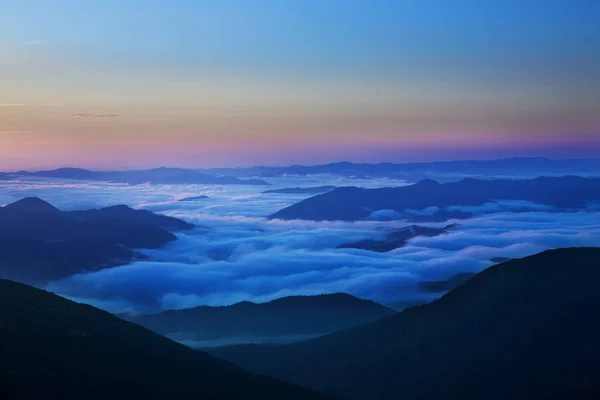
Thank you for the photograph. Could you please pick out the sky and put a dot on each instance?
(192, 83)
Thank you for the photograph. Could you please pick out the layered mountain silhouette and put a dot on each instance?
(447, 284)
(397, 238)
(442, 201)
(38, 242)
(302, 190)
(500, 259)
(156, 175)
(286, 317)
(523, 329)
(517, 167)
(54, 348)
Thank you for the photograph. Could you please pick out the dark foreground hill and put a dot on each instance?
(53, 348)
(285, 317)
(447, 284)
(351, 204)
(524, 329)
(38, 242)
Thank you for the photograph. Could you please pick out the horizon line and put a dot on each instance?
(441, 161)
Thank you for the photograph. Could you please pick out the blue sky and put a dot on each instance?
(382, 72)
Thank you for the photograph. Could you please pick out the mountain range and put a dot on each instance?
(430, 200)
(134, 177)
(444, 171)
(54, 348)
(523, 329)
(296, 316)
(447, 170)
(38, 242)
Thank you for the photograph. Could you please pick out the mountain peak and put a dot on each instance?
(32, 204)
(426, 182)
(118, 207)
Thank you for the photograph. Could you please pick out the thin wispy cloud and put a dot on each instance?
(33, 42)
(96, 115)
(14, 132)
(11, 105)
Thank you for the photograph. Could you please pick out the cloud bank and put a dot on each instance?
(96, 115)
(239, 255)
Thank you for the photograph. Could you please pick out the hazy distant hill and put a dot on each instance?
(443, 171)
(397, 238)
(38, 242)
(350, 204)
(54, 348)
(305, 190)
(288, 316)
(156, 175)
(524, 329)
(194, 198)
(517, 167)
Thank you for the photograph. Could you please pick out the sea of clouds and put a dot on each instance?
(237, 254)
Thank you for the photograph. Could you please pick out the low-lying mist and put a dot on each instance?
(237, 254)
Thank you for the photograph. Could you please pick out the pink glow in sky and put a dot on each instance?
(307, 82)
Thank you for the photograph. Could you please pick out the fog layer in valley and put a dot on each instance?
(237, 254)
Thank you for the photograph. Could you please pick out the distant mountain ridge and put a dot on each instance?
(523, 329)
(295, 315)
(54, 348)
(134, 177)
(446, 200)
(508, 166)
(440, 170)
(38, 242)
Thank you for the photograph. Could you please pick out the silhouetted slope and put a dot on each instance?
(39, 242)
(32, 260)
(445, 285)
(53, 348)
(32, 205)
(125, 213)
(305, 190)
(397, 238)
(285, 316)
(524, 329)
(500, 259)
(351, 204)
